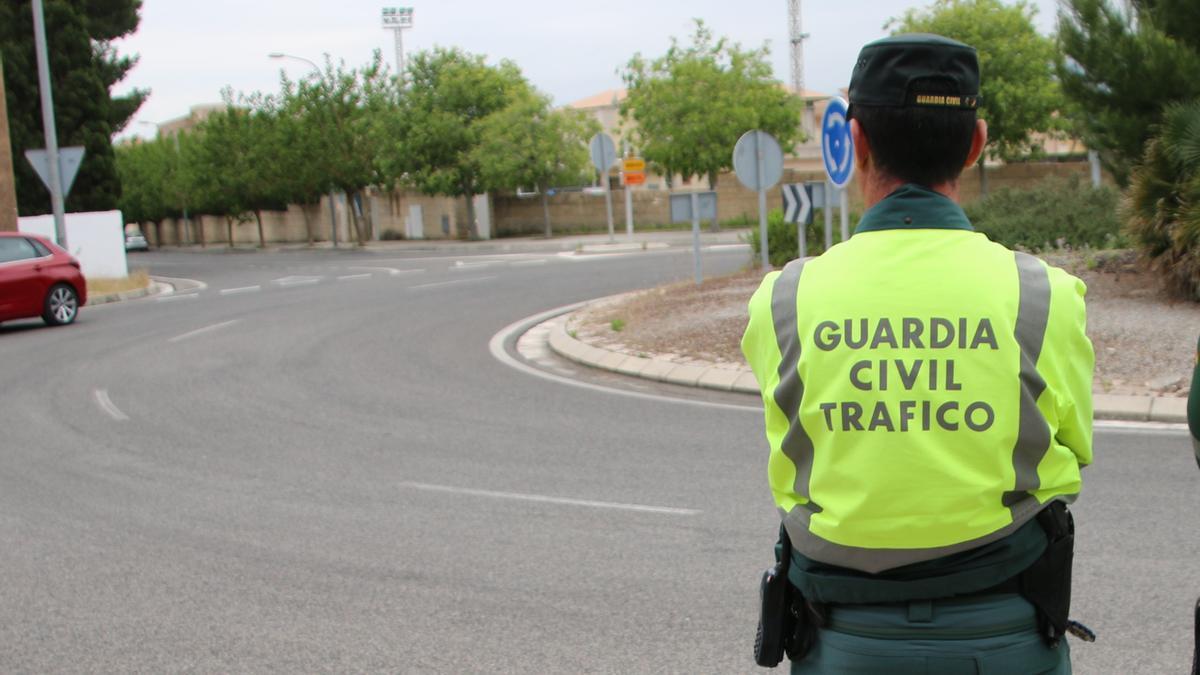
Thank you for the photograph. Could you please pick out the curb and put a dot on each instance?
(154, 288)
(739, 378)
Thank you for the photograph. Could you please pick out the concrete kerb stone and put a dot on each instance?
(741, 379)
(153, 288)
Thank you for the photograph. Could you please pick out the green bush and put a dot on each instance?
(782, 245)
(1055, 213)
(1163, 206)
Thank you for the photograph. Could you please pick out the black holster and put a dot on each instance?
(1046, 584)
(786, 622)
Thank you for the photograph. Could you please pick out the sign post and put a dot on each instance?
(797, 208)
(694, 206)
(43, 68)
(837, 150)
(604, 153)
(634, 171)
(758, 163)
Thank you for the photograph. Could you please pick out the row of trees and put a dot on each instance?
(454, 126)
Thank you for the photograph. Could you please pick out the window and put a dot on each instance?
(16, 248)
(41, 249)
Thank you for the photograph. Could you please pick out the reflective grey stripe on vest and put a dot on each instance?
(796, 446)
(1033, 439)
(1033, 433)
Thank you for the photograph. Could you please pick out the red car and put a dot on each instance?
(38, 278)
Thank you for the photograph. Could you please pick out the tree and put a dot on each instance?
(145, 170)
(432, 141)
(529, 144)
(693, 103)
(1019, 93)
(84, 66)
(1163, 201)
(329, 127)
(1120, 67)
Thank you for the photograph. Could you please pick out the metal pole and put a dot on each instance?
(333, 217)
(829, 192)
(762, 201)
(802, 237)
(1094, 161)
(608, 204)
(845, 214)
(696, 237)
(43, 63)
(629, 213)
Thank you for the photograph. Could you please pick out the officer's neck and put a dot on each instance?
(877, 187)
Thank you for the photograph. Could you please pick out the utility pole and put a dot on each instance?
(8, 180)
(796, 37)
(43, 65)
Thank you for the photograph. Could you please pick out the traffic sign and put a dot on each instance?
(604, 152)
(635, 178)
(797, 204)
(69, 159)
(758, 160)
(837, 146)
(633, 164)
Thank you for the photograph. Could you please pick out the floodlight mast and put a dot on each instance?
(397, 20)
(797, 37)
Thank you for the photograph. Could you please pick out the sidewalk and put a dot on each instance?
(593, 244)
(739, 378)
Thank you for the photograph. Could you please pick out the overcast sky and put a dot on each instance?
(189, 51)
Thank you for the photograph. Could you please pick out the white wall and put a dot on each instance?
(97, 239)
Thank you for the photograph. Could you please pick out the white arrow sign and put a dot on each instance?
(797, 204)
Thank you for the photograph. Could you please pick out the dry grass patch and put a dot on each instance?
(136, 280)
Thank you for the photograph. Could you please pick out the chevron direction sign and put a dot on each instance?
(797, 204)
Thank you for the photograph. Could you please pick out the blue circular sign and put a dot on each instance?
(837, 146)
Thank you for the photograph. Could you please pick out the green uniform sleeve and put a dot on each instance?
(758, 342)
(1068, 363)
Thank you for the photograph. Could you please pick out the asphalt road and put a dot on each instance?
(314, 463)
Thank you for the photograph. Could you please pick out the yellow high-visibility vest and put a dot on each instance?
(925, 392)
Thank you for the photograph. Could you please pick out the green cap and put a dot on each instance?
(892, 72)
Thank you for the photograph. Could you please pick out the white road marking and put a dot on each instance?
(106, 404)
(496, 346)
(348, 277)
(201, 331)
(297, 281)
(392, 271)
(528, 263)
(727, 247)
(455, 282)
(460, 266)
(182, 296)
(240, 289)
(544, 499)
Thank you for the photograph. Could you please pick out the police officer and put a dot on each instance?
(927, 399)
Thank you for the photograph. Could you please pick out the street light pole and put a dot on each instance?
(332, 194)
(43, 66)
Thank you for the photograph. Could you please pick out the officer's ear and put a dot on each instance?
(978, 143)
(862, 147)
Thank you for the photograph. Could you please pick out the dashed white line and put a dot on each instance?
(544, 499)
(182, 296)
(528, 263)
(349, 277)
(240, 289)
(392, 271)
(106, 404)
(297, 281)
(201, 331)
(455, 282)
(460, 266)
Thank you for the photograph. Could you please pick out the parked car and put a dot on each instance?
(135, 240)
(38, 278)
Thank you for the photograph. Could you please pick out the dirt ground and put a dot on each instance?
(1144, 340)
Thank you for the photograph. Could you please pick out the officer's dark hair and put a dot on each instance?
(926, 145)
